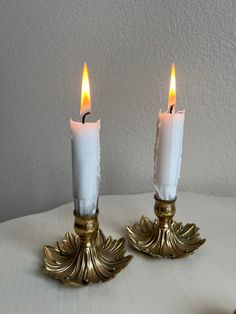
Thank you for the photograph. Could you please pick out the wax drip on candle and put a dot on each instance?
(84, 116)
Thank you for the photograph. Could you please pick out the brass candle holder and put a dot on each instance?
(87, 257)
(164, 237)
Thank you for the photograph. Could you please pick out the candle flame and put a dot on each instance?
(172, 92)
(85, 105)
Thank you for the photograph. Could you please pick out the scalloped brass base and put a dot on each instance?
(88, 257)
(164, 237)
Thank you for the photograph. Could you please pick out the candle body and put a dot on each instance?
(85, 145)
(168, 153)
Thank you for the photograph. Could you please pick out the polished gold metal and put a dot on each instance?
(87, 257)
(164, 237)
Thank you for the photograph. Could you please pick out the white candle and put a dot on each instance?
(168, 147)
(85, 143)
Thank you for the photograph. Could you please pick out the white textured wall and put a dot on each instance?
(129, 47)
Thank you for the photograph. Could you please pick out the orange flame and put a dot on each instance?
(85, 105)
(172, 92)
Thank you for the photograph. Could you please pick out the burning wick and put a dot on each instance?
(171, 108)
(84, 116)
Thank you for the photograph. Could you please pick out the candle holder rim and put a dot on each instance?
(164, 201)
(86, 216)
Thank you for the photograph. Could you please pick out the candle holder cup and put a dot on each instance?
(87, 257)
(164, 237)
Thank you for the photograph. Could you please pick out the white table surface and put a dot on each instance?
(204, 282)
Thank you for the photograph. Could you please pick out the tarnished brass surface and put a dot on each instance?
(87, 257)
(164, 237)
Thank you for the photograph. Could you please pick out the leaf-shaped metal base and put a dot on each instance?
(88, 258)
(164, 237)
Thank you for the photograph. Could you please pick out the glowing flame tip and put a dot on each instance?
(85, 105)
(172, 91)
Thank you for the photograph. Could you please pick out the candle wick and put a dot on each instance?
(171, 108)
(84, 116)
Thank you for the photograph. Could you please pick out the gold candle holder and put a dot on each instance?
(87, 257)
(164, 237)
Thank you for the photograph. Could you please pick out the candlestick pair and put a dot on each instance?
(89, 256)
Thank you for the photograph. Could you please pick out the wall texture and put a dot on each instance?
(129, 47)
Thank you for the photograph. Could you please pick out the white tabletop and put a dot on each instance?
(203, 283)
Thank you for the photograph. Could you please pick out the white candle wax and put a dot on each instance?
(168, 153)
(85, 142)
